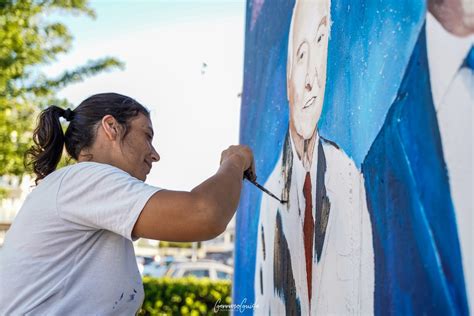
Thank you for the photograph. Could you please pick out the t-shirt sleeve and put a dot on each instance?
(100, 196)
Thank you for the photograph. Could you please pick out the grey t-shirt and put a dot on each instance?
(69, 250)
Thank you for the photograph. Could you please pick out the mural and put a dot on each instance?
(357, 115)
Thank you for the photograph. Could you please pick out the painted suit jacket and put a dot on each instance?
(342, 245)
(418, 266)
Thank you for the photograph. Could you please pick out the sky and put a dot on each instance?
(195, 110)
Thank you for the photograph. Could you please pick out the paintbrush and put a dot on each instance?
(247, 175)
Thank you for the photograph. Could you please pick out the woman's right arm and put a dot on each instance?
(203, 213)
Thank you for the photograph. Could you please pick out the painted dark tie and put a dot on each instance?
(308, 231)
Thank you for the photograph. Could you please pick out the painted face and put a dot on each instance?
(138, 152)
(307, 71)
(456, 16)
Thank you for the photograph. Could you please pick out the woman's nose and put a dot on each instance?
(155, 156)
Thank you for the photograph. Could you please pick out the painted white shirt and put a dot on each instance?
(343, 280)
(453, 95)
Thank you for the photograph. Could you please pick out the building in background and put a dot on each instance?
(14, 192)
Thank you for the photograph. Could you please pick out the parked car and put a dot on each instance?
(224, 257)
(142, 261)
(158, 268)
(200, 269)
(146, 259)
(154, 269)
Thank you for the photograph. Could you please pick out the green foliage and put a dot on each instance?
(172, 244)
(4, 192)
(28, 40)
(184, 296)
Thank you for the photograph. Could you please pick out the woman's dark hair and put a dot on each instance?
(49, 138)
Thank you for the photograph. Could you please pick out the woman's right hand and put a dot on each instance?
(243, 156)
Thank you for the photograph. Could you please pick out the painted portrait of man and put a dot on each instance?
(315, 251)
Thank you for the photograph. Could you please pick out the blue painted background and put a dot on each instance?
(263, 124)
(370, 47)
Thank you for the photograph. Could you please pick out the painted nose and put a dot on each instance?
(308, 82)
(310, 78)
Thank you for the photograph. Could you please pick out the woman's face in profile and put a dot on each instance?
(138, 152)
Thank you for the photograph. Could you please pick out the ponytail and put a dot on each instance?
(48, 139)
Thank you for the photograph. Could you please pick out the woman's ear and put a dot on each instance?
(111, 127)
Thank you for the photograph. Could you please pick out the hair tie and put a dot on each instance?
(68, 115)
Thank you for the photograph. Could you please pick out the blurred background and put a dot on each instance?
(183, 60)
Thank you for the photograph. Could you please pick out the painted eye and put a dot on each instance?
(320, 38)
(301, 55)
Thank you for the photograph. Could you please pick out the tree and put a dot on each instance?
(28, 40)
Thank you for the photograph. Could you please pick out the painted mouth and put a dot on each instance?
(309, 103)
